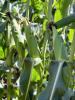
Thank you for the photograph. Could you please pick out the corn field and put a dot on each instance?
(37, 49)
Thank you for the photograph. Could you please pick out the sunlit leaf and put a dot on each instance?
(35, 76)
(62, 9)
(58, 15)
(70, 35)
(23, 0)
(37, 4)
(1, 53)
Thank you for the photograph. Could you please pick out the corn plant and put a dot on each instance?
(37, 50)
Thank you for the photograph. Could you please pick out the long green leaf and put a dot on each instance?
(32, 43)
(19, 39)
(25, 77)
(59, 48)
(55, 82)
(65, 21)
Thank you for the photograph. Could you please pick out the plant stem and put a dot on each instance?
(9, 82)
(27, 11)
(8, 62)
(8, 76)
(65, 21)
(45, 47)
(50, 10)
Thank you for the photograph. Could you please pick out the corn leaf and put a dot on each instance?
(59, 48)
(25, 77)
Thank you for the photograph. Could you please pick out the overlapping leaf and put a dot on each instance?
(59, 47)
(46, 94)
(25, 77)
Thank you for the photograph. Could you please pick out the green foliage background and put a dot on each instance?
(37, 50)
